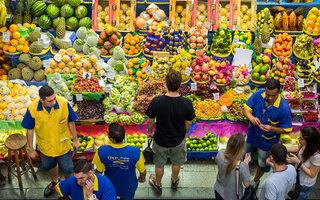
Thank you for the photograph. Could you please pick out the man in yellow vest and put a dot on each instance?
(52, 119)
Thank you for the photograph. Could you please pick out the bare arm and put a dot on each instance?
(150, 123)
(255, 121)
(32, 153)
(142, 177)
(188, 126)
(269, 128)
(311, 172)
(73, 131)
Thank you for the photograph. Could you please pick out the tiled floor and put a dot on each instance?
(197, 179)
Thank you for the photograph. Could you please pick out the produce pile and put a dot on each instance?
(132, 44)
(208, 143)
(160, 67)
(108, 40)
(260, 66)
(180, 16)
(200, 68)
(312, 24)
(224, 16)
(281, 68)
(303, 47)
(89, 110)
(86, 85)
(207, 110)
(288, 19)
(136, 69)
(136, 140)
(235, 112)
(245, 21)
(282, 45)
(176, 39)
(304, 70)
(102, 16)
(245, 39)
(124, 17)
(205, 91)
(152, 15)
(86, 143)
(221, 43)
(181, 62)
(61, 85)
(154, 40)
(197, 41)
(202, 12)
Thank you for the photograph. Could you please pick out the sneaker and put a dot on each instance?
(174, 184)
(50, 189)
(152, 182)
(255, 184)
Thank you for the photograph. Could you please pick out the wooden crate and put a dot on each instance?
(130, 18)
(252, 8)
(226, 20)
(103, 4)
(206, 13)
(186, 4)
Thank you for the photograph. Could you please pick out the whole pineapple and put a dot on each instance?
(265, 32)
(61, 28)
(257, 44)
(18, 17)
(57, 42)
(27, 18)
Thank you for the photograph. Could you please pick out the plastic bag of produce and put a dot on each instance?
(111, 117)
(124, 119)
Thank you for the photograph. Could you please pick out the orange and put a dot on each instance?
(33, 26)
(125, 51)
(130, 52)
(13, 27)
(14, 42)
(138, 46)
(133, 42)
(25, 49)
(130, 71)
(26, 43)
(144, 76)
(19, 47)
(145, 64)
(5, 47)
(136, 66)
(12, 49)
(132, 48)
(138, 73)
(143, 70)
(135, 60)
(22, 41)
(137, 40)
(27, 25)
(130, 64)
(16, 35)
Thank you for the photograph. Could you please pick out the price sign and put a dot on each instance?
(148, 70)
(79, 97)
(111, 74)
(5, 37)
(103, 76)
(295, 74)
(46, 63)
(249, 67)
(193, 86)
(316, 64)
(213, 86)
(40, 41)
(207, 25)
(108, 88)
(188, 71)
(216, 96)
(101, 83)
(300, 83)
(235, 40)
(179, 49)
(86, 75)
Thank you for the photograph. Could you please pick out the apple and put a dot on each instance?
(148, 39)
(160, 44)
(103, 51)
(155, 40)
(158, 49)
(146, 50)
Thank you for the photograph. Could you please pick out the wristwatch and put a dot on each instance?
(93, 197)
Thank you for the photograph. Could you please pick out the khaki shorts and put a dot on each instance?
(177, 154)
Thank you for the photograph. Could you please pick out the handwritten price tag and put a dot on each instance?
(108, 88)
(79, 97)
(179, 49)
(102, 83)
(249, 67)
(188, 71)
(213, 86)
(316, 64)
(235, 40)
(148, 70)
(86, 75)
(300, 83)
(5, 37)
(111, 75)
(216, 96)
(40, 41)
(193, 86)
(103, 76)
(46, 63)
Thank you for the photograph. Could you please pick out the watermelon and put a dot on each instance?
(72, 23)
(56, 22)
(59, 2)
(81, 12)
(74, 3)
(53, 11)
(66, 11)
(85, 22)
(44, 22)
(39, 8)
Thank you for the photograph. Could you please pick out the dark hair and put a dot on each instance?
(116, 132)
(272, 84)
(82, 166)
(312, 138)
(173, 80)
(234, 151)
(45, 91)
(279, 153)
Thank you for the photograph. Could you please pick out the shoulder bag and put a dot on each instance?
(148, 153)
(249, 193)
(294, 194)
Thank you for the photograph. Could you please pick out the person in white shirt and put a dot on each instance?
(307, 155)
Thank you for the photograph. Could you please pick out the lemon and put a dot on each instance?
(179, 8)
(223, 139)
(223, 11)
(246, 18)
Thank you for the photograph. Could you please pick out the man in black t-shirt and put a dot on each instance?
(174, 115)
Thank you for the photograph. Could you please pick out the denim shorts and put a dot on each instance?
(64, 161)
(262, 156)
(177, 154)
(305, 192)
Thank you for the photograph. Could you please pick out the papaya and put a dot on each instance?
(299, 11)
(276, 9)
(292, 21)
(300, 23)
(285, 21)
(288, 11)
(278, 21)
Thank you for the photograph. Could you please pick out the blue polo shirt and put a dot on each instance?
(120, 162)
(278, 115)
(103, 188)
(28, 121)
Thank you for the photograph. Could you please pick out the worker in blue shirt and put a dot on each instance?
(269, 116)
(86, 185)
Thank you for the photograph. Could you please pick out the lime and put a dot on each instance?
(193, 149)
(128, 140)
(197, 149)
(189, 149)
(208, 142)
(138, 145)
(142, 140)
(129, 136)
(210, 149)
(215, 148)
(199, 146)
(211, 139)
(135, 135)
(205, 137)
(81, 149)
(132, 144)
(135, 140)
(206, 149)
(191, 145)
(204, 145)
(89, 138)
(194, 141)
(201, 149)
(143, 135)
(187, 139)
(195, 145)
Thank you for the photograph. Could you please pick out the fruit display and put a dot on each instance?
(288, 19)
(243, 96)
(316, 44)
(245, 20)
(4, 135)
(221, 43)
(241, 74)
(181, 62)
(197, 40)
(208, 143)
(152, 15)
(160, 67)
(103, 16)
(202, 12)
(257, 44)
(308, 105)
(86, 85)
(245, 39)
(89, 110)
(222, 71)
(136, 69)
(310, 116)
(264, 16)
(86, 143)
(295, 105)
(260, 67)
(289, 84)
(59, 44)
(118, 62)
(108, 40)
(224, 16)
(235, 112)
(124, 17)
(61, 85)
(280, 69)
(207, 110)
(200, 68)
(176, 39)
(282, 45)
(304, 70)
(303, 47)
(155, 40)
(312, 22)
(184, 90)
(132, 44)
(180, 16)
(308, 95)
(15, 99)
(204, 91)
(136, 140)
(296, 117)
(5, 66)
(100, 140)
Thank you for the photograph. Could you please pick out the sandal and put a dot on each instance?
(174, 184)
(152, 182)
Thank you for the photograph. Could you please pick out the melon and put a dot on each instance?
(39, 8)
(66, 11)
(85, 22)
(59, 2)
(56, 22)
(74, 3)
(44, 22)
(53, 11)
(72, 23)
(81, 12)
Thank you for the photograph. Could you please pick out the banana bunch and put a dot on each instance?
(3, 137)
(3, 13)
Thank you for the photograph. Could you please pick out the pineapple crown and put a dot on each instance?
(256, 30)
(266, 16)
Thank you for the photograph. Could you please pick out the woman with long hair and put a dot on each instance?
(307, 155)
(228, 160)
